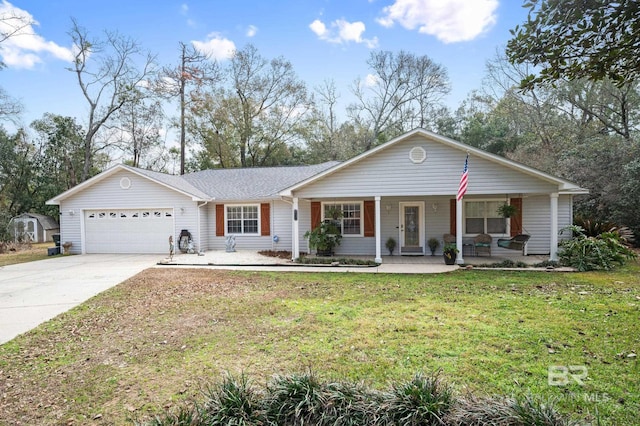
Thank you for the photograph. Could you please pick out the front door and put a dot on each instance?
(412, 228)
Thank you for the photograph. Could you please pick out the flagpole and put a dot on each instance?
(462, 189)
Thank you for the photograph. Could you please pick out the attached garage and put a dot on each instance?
(128, 230)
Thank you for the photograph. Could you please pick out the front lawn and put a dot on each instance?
(25, 253)
(153, 342)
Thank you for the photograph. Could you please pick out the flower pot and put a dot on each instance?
(449, 258)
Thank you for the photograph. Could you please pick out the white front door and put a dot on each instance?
(412, 228)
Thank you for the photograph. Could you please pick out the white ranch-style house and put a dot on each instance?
(404, 189)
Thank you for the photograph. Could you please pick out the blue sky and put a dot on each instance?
(324, 39)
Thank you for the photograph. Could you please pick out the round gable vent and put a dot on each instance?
(417, 155)
(125, 183)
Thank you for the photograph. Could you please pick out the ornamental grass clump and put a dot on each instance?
(301, 399)
(499, 411)
(297, 399)
(233, 402)
(424, 400)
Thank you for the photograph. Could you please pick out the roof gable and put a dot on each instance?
(172, 182)
(429, 137)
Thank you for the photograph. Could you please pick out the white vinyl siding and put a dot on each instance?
(143, 194)
(280, 224)
(391, 172)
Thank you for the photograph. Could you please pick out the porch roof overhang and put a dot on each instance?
(564, 187)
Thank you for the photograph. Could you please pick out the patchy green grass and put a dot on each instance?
(156, 339)
(30, 254)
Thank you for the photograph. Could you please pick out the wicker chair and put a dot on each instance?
(449, 239)
(482, 244)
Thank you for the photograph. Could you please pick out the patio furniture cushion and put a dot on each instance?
(518, 242)
(482, 243)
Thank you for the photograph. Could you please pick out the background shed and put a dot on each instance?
(34, 227)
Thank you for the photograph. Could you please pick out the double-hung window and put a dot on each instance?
(481, 217)
(243, 219)
(349, 216)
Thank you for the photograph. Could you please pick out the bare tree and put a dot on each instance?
(184, 81)
(259, 112)
(12, 24)
(139, 123)
(398, 95)
(107, 74)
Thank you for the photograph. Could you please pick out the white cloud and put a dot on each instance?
(24, 49)
(319, 28)
(370, 80)
(252, 30)
(342, 31)
(184, 8)
(216, 46)
(449, 21)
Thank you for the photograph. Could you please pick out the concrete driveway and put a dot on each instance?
(32, 293)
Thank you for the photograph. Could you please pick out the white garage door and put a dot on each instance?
(128, 231)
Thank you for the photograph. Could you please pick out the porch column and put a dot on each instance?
(296, 230)
(553, 252)
(459, 259)
(378, 236)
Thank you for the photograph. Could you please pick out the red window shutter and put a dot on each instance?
(369, 219)
(219, 220)
(316, 211)
(452, 216)
(516, 221)
(265, 219)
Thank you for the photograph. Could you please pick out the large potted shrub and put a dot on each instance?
(324, 238)
(450, 252)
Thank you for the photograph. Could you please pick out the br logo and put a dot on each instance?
(562, 375)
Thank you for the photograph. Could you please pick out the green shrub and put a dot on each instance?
(475, 411)
(584, 253)
(295, 400)
(351, 405)
(301, 400)
(424, 400)
(594, 228)
(233, 402)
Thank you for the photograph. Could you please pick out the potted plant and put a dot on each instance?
(433, 244)
(324, 238)
(507, 210)
(450, 252)
(390, 245)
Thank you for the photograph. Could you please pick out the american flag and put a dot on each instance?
(464, 180)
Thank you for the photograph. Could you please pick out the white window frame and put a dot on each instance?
(484, 200)
(243, 206)
(341, 204)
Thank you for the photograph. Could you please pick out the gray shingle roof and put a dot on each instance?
(252, 183)
(47, 222)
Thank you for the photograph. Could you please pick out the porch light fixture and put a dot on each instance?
(387, 207)
(434, 206)
(72, 212)
(182, 210)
